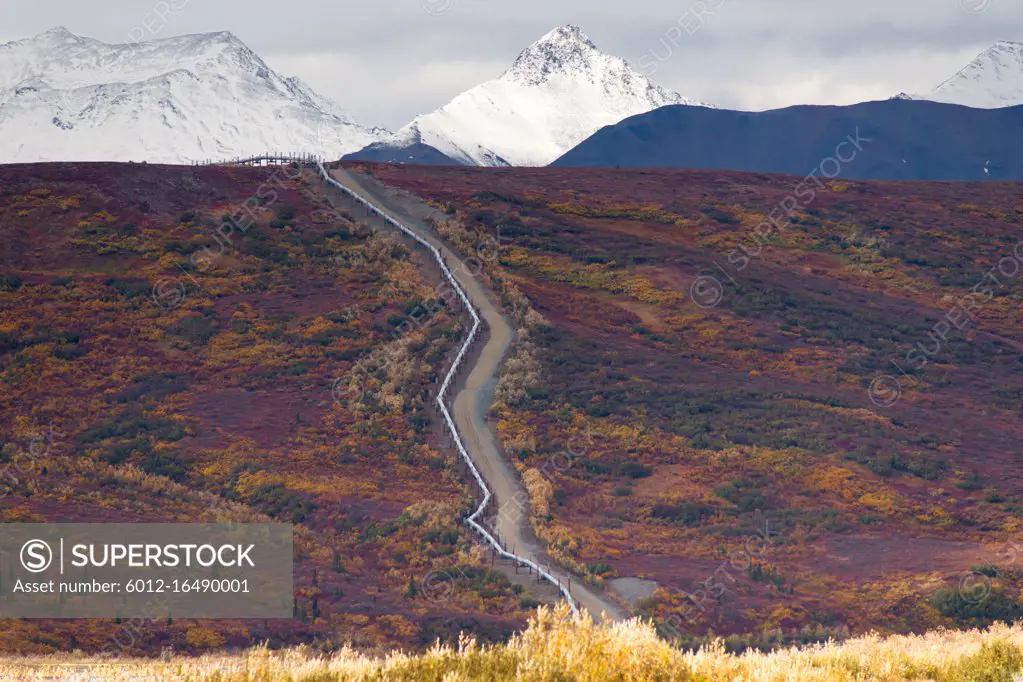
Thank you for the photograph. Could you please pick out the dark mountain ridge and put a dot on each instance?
(895, 139)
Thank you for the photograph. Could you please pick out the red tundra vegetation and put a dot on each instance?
(169, 340)
(797, 415)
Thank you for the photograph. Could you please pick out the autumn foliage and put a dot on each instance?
(695, 400)
(213, 344)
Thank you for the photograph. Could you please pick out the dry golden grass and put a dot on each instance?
(559, 647)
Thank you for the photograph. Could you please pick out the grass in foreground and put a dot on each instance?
(559, 647)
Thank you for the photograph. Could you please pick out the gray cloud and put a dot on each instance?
(388, 61)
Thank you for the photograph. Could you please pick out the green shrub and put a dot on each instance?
(749, 503)
(119, 453)
(129, 424)
(151, 386)
(765, 573)
(10, 282)
(273, 499)
(635, 470)
(686, 513)
(165, 464)
(971, 482)
(990, 570)
(195, 329)
(991, 664)
(979, 608)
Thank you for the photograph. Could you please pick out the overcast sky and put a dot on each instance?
(388, 60)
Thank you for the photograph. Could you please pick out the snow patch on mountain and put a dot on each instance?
(189, 98)
(558, 92)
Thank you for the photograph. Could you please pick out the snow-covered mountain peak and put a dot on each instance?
(1004, 46)
(173, 100)
(56, 35)
(559, 91)
(566, 33)
(64, 60)
(993, 80)
(564, 50)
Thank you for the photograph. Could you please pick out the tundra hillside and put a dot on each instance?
(775, 417)
(169, 339)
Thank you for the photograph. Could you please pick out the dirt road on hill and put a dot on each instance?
(476, 393)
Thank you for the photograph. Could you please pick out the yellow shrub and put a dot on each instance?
(559, 647)
(203, 638)
(879, 502)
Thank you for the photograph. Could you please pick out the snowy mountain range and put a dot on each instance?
(559, 91)
(991, 81)
(207, 96)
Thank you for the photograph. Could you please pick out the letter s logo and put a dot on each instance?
(36, 556)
